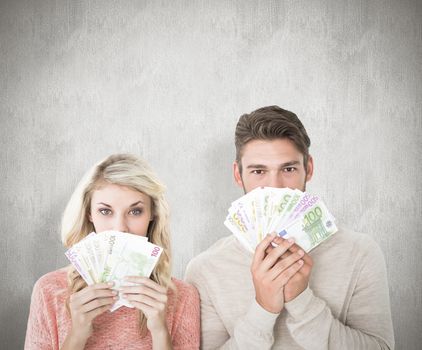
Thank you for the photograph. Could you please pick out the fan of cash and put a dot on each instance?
(289, 213)
(111, 256)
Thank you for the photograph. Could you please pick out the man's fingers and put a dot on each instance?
(284, 264)
(306, 257)
(260, 249)
(294, 248)
(288, 273)
(279, 240)
(269, 249)
(286, 254)
(308, 260)
(275, 254)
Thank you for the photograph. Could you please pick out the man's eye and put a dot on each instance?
(136, 212)
(257, 172)
(104, 211)
(289, 169)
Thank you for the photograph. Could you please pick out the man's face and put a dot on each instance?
(272, 163)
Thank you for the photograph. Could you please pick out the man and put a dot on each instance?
(335, 297)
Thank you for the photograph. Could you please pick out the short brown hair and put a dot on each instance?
(269, 123)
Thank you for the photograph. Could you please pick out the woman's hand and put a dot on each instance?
(85, 306)
(151, 298)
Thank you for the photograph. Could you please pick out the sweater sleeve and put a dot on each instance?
(39, 332)
(187, 333)
(253, 331)
(368, 322)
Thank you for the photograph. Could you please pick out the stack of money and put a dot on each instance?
(289, 213)
(111, 256)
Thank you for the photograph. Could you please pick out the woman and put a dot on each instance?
(120, 193)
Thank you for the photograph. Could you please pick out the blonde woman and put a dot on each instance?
(120, 193)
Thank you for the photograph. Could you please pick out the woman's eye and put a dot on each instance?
(105, 211)
(136, 212)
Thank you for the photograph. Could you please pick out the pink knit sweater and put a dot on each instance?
(49, 321)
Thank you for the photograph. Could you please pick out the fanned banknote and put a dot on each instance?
(111, 256)
(289, 213)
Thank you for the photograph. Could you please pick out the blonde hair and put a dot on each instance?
(124, 170)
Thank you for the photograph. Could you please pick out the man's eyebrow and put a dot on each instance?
(282, 165)
(293, 162)
(254, 166)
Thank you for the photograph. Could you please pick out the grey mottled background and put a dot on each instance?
(168, 80)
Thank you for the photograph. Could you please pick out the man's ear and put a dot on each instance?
(309, 168)
(237, 175)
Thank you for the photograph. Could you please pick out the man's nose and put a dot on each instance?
(120, 224)
(275, 180)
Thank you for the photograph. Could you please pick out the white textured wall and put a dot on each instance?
(168, 80)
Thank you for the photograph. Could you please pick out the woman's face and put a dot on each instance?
(120, 208)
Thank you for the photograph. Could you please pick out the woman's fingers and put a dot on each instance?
(88, 303)
(98, 303)
(91, 292)
(98, 311)
(145, 299)
(147, 282)
(145, 308)
(146, 295)
(97, 286)
(145, 290)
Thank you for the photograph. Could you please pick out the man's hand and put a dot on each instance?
(270, 273)
(299, 281)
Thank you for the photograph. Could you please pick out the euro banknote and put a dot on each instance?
(111, 256)
(290, 213)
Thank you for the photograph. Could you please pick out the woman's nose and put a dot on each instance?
(120, 224)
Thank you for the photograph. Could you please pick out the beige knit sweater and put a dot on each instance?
(346, 305)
